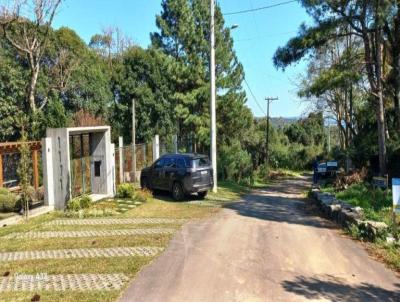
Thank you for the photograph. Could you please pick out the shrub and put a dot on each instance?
(142, 195)
(85, 201)
(125, 190)
(343, 181)
(3, 191)
(235, 163)
(31, 194)
(8, 202)
(74, 204)
(78, 203)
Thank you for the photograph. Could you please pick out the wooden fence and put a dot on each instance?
(144, 158)
(9, 159)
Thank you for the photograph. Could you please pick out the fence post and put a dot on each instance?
(48, 180)
(35, 169)
(144, 155)
(113, 168)
(156, 147)
(121, 159)
(175, 140)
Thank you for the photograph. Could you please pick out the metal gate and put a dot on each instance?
(80, 164)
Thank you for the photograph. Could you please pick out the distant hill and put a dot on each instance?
(283, 121)
(280, 121)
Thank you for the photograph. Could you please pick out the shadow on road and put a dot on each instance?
(333, 289)
(281, 202)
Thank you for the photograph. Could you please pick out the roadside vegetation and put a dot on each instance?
(376, 203)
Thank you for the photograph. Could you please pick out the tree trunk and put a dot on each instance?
(380, 112)
(395, 41)
(380, 116)
(32, 88)
(396, 71)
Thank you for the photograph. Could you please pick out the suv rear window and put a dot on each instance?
(200, 162)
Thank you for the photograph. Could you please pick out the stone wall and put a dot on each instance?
(347, 215)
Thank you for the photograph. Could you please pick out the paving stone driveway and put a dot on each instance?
(81, 282)
(113, 221)
(141, 251)
(78, 234)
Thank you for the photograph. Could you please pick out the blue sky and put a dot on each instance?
(256, 39)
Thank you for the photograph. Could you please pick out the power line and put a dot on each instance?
(258, 8)
(266, 35)
(254, 97)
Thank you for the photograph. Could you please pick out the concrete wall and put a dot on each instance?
(56, 163)
(61, 167)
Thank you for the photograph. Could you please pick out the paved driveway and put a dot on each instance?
(267, 247)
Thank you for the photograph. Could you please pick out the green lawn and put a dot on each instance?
(155, 206)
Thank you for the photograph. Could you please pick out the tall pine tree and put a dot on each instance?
(184, 30)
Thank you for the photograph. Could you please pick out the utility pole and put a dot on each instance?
(212, 105)
(329, 137)
(133, 141)
(269, 101)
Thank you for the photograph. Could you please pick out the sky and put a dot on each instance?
(255, 40)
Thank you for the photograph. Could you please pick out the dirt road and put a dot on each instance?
(264, 248)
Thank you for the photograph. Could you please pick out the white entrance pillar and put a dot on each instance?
(156, 147)
(48, 180)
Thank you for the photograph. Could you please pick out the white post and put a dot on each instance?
(121, 159)
(133, 141)
(175, 140)
(114, 190)
(329, 137)
(48, 180)
(212, 106)
(156, 147)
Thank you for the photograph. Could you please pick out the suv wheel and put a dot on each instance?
(177, 191)
(202, 195)
(144, 183)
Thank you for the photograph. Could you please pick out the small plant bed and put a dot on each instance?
(127, 199)
(118, 205)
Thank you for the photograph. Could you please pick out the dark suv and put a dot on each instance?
(180, 174)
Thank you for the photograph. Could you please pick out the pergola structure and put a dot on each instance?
(13, 148)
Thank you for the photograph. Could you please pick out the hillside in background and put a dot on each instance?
(280, 122)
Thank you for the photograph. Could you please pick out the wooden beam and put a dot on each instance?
(35, 169)
(13, 147)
